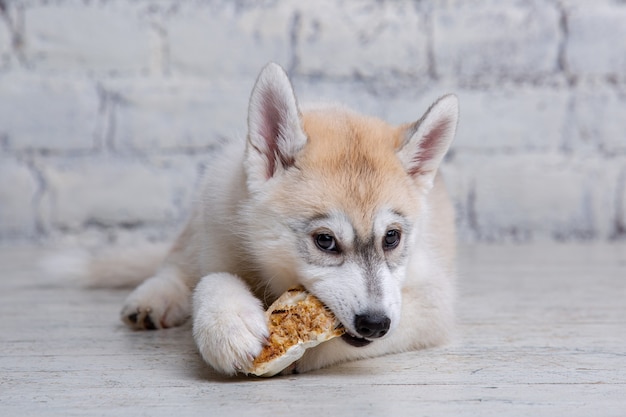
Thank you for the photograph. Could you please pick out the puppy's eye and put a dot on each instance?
(326, 242)
(391, 239)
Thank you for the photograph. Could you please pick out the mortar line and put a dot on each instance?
(37, 199)
(294, 39)
(429, 28)
(619, 228)
(563, 26)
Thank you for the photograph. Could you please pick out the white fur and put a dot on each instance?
(112, 267)
(239, 251)
(229, 324)
(163, 300)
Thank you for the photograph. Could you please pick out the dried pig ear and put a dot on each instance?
(297, 321)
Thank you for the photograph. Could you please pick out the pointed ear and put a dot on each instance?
(275, 133)
(428, 139)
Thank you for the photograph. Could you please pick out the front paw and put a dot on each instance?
(229, 340)
(157, 303)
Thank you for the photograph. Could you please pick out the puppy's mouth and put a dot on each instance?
(351, 339)
(355, 341)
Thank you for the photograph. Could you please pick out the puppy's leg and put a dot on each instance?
(160, 302)
(229, 324)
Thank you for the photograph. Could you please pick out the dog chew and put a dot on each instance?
(297, 321)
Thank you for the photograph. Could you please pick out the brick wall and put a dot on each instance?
(109, 109)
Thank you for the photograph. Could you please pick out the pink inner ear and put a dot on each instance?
(270, 129)
(429, 148)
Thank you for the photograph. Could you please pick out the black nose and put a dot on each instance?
(372, 325)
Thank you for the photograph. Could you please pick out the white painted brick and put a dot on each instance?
(114, 191)
(495, 38)
(596, 44)
(458, 181)
(167, 81)
(366, 38)
(539, 196)
(47, 113)
(602, 191)
(410, 104)
(354, 95)
(18, 187)
(598, 121)
(394, 106)
(75, 37)
(512, 119)
(167, 114)
(224, 40)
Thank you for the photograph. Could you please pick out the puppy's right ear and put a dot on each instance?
(275, 132)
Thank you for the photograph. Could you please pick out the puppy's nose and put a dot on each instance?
(372, 326)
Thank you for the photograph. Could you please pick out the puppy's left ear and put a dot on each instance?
(427, 140)
(275, 133)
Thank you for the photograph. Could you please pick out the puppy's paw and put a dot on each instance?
(156, 304)
(229, 341)
(229, 325)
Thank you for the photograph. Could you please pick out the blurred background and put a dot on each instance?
(109, 110)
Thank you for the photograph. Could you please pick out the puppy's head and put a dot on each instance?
(336, 200)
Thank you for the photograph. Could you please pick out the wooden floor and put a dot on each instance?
(542, 332)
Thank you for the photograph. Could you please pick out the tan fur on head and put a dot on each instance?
(352, 158)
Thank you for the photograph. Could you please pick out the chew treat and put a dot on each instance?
(297, 321)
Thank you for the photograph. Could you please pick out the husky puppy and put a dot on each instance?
(343, 204)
